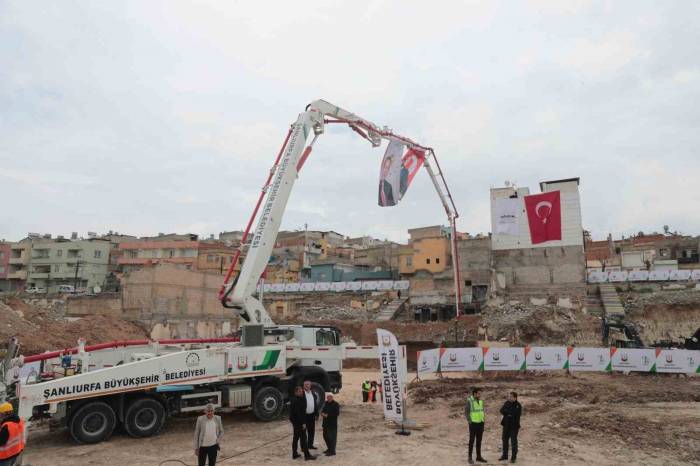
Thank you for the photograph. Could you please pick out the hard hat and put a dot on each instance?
(6, 408)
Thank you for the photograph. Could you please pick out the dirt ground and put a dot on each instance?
(40, 329)
(590, 419)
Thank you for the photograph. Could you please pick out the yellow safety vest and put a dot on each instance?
(365, 387)
(476, 412)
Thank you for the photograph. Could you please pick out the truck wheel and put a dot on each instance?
(92, 423)
(319, 395)
(268, 404)
(144, 417)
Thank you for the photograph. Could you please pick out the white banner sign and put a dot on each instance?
(659, 275)
(680, 275)
(678, 361)
(307, 286)
(597, 277)
(428, 361)
(391, 366)
(404, 284)
(461, 359)
(322, 286)
(638, 276)
(507, 216)
(632, 359)
(589, 359)
(617, 276)
(291, 287)
(338, 286)
(546, 358)
(695, 275)
(504, 359)
(369, 286)
(353, 286)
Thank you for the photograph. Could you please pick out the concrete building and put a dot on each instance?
(552, 268)
(5, 252)
(333, 272)
(18, 265)
(146, 252)
(215, 257)
(82, 263)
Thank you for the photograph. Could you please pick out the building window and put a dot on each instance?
(437, 260)
(665, 252)
(56, 268)
(131, 254)
(2, 255)
(98, 254)
(409, 261)
(211, 258)
(59, 252)
(427, 261)
(2, 267)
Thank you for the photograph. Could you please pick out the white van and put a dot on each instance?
(66, 289)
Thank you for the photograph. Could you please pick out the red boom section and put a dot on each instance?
(125, 343)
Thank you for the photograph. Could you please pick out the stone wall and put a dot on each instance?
(541, 266)
(102, 304)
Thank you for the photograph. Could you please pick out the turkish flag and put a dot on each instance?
(544, 216)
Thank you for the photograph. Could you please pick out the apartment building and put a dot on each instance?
(52, 262)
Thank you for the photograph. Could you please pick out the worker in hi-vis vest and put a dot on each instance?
(365, 391)
(12, 436)
(474, 411)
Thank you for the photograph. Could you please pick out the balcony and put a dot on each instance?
(18, 275)
(39, 275)
(17, 260)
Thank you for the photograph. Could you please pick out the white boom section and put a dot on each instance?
(287, 171)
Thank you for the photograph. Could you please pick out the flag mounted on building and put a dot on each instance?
(544, 216)
(397, 172)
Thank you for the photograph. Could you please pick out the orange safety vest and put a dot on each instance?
(15, 440)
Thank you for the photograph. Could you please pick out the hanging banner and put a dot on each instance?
(544, 216)
(507, 215)
(428, 361)
(638, 276)
(504, 359)
(589, 359)
(678, 361)
(632, 359)
(542, 358)
(391, 365)
(397, 172)
(461, 359)
(617, 276)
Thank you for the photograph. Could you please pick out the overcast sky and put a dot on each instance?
(147, 117)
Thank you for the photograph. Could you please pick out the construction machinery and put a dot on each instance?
(93, 389)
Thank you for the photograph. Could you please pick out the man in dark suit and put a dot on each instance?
(386, 191)
(311, 411)
(511, 411)
(297, 416)
(330, 413)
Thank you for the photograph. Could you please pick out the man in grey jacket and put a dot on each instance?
(207, 435)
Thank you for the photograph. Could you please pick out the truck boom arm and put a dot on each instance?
(238, 294)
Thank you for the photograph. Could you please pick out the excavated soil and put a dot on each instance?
(42, 330)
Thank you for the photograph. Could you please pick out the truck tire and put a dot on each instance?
(92, 422)
(144, 417)
(268, 403)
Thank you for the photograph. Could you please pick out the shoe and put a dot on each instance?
(330, 453)
(310, 457)
(325, 452)
(470, 461)
(313, 448)
(512, 460)
(503, 458)
(481, 460)
(295, 456)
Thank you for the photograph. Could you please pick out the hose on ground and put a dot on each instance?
(226, 458)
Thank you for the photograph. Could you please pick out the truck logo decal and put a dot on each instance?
(242, 362)
(192, 360)
(268, 362)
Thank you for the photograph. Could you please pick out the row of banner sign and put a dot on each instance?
(558, 358)
(373, 285)
(597, 276)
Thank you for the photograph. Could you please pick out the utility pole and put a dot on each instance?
(78, 264)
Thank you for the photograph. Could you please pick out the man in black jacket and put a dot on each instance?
(511, 411)
(330, 413)
(297, 416)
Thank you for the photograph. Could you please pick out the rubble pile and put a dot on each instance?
(45, 329)
(637, 301)
(522, 324)
(314, 313)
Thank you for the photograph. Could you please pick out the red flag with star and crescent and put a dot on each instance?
(544, 216)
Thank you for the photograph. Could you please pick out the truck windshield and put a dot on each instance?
(326, 338)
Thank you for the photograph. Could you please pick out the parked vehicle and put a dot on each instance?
(35, 290)
(66, 289)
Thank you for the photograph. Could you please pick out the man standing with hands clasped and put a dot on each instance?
(311, 414)
(474, 411)
(511, 411)
(330, 413)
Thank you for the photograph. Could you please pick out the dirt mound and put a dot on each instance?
(40, 329)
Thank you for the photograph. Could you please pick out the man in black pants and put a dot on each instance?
(330, 413)
(311, 413)
(511, 411)
(474, 411)
(297, 416)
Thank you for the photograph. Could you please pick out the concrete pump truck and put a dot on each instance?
(90, 390)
